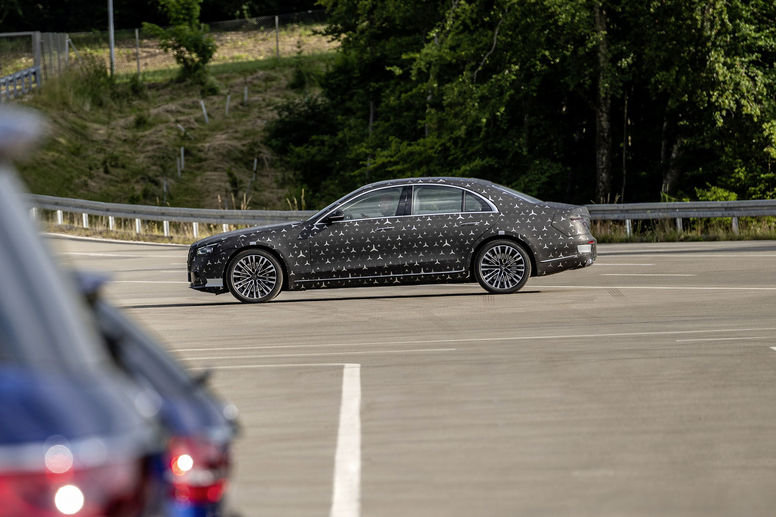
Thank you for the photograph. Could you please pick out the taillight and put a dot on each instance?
(198, 470)
(117, 488)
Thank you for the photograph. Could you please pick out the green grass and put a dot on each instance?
(117, 140)
(750, 228)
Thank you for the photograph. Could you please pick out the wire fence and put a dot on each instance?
(249, 39)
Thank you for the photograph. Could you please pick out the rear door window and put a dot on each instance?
(436, 199)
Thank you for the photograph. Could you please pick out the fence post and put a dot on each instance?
(195, 229)
(183, 159)
(59, 217)
(85, 218)
(111, 223)
(138, 226)
(277, 36)
(204, 111)
(679, 224)
(36, 48)
(67, 51)
(228, 98)
(137, 50)
(735, 225)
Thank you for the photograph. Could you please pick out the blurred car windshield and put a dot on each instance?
(40, 325)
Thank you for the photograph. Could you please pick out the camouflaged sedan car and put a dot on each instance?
(407, 231)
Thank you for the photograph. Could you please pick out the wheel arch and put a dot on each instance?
(262, 247)
(513, 238)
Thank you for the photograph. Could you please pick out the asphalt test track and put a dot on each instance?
(644, 385)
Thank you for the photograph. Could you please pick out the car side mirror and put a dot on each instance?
(335, 216)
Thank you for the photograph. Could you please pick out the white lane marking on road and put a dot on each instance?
(659, 287)
(117, 255)
(252, 366)
(346, 496)
(364, 352)
(676, 254)
(647, 274)
(773, 348)
(504, 338)
(619, 265)
(719, 339)
(148, 282)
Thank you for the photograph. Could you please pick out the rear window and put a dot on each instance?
(524, 197)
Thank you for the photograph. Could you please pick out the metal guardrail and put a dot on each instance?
(19, 83)
(682, 210)
(618, 212)
(141, 213)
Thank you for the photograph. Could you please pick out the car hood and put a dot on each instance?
(255, 230)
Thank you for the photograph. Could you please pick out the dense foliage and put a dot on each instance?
(573, 100)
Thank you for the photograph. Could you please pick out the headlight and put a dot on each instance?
(206, 250)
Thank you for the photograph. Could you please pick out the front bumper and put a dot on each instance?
(205, 274)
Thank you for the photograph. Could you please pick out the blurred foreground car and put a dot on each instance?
(408, 231)
(200, 428)
(76, 437)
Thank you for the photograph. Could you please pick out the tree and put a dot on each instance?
(186, 38)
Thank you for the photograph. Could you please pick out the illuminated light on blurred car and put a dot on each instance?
(69, 500)
(199, 470)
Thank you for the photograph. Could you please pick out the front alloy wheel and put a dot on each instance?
(502, 267)
(254, 276)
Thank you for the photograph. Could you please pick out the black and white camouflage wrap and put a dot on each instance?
(429, 248)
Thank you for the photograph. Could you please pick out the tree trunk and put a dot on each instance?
(670, 152)
(603, 126)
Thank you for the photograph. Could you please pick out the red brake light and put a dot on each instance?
(198, 470)
(116, 489)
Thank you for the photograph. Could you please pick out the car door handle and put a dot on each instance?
(383, 228)
(469, 224)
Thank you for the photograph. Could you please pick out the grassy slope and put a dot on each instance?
(119, 147)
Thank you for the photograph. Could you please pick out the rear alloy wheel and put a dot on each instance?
(254, 276)
(502, 267)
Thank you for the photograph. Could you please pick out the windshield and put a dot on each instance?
(329, 207)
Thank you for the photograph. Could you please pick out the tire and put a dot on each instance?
(254, 276)
(502, 267)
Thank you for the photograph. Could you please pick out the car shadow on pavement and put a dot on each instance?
(327, 299)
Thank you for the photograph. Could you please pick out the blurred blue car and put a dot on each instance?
(96, 419)
(199, 427)
(76, 436)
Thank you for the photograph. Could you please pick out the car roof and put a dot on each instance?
(446, 180)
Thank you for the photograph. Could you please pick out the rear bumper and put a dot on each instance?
(586, 254)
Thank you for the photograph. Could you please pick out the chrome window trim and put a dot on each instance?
(413, 185)
(373, 277)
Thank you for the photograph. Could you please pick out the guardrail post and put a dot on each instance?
(195, 229)
(166, 226)
(34, 214)
(735, 225)
(111, 223)
(225, 227)
(679, 224)
(628, 227)
(85, 219)
(59, 217)
(138, 226)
